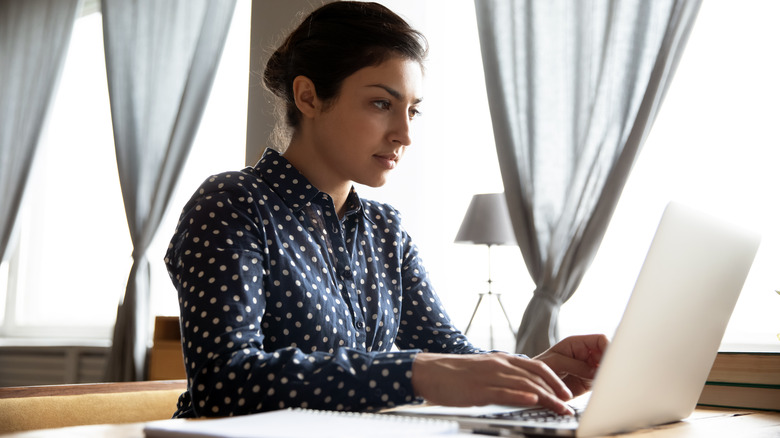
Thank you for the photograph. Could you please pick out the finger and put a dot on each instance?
(541, 370)
(548, 400)
(556, 405)
(528, 376)
(588, 348)
(568, 366)
(578, 347)
(510, 397)
(526, 381)
(530, 395)
(596, 345)
(578, 386)
(601, 347)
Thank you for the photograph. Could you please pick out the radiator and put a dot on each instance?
(51, 365)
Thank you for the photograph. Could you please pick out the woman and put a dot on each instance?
(293, 289)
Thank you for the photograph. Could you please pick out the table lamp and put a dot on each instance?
(487, 223)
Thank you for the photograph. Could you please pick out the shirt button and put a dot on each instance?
(360, 325)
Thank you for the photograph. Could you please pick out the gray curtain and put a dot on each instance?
(161, 58)
(574, 87)
(34, 38)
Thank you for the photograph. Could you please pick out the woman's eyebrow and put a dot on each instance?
(395, 93)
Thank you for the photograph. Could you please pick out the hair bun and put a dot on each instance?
(334, 42)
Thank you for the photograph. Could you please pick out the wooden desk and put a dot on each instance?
(58, 406)
(704, 422)
(90, 388)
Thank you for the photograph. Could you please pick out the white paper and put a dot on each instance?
(294, 423)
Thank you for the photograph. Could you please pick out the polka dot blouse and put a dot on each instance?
(283, 304)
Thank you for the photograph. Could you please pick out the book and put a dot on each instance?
(293, 423)
(729, 395)
(743, 380)
(748, 368)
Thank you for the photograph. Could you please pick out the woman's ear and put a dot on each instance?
(305, 96)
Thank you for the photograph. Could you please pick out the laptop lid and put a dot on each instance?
(658, 361)
(662, 351)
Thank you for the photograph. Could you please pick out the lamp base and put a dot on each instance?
(491, 296)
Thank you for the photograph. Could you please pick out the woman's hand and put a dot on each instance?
(575, 360)
(481, 379)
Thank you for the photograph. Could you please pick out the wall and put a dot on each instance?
(270, 20)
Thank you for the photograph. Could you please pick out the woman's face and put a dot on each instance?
(362, 134)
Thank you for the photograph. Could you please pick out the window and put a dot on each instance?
(453, 156)
(69, 269)
(218, 147)
(712, 146)
(73, 247)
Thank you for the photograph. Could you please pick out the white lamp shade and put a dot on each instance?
(487, 221)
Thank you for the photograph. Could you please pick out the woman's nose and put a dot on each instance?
(401, 132)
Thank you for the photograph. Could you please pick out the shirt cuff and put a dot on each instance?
(390, 379)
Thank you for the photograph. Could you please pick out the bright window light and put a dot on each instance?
(74, 252)
(713, 146)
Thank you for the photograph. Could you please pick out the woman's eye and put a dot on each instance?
(382, 104)
(414, 112)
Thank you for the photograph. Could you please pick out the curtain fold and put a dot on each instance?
(573, 87)
(34, 39)
(161, 59)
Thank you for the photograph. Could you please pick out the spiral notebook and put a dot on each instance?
(294, 423)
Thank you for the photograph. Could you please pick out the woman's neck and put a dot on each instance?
(305, 160)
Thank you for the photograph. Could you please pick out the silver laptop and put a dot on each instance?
(657, 363)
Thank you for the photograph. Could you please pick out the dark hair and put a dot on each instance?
(334, 42)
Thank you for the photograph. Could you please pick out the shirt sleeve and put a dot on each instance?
(217, 261)
(425, 323)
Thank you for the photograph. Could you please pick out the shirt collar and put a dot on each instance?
(354, 205)
(295, 190)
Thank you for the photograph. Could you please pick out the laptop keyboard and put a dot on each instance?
(540, 415)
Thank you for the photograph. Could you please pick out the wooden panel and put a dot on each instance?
(43, 407)
(91, 388)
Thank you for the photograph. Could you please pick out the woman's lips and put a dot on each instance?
(388, 161)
